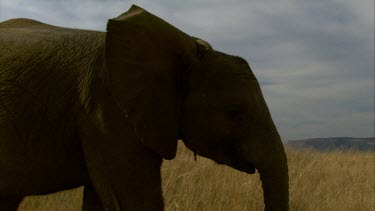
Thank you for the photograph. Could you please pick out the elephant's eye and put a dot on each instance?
(234, 114)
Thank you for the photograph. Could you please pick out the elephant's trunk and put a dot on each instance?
(275, 184)
(271, 163)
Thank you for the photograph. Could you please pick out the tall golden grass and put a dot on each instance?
(318, 181)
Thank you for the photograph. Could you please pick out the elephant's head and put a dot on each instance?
(172, 86)
(225, 118)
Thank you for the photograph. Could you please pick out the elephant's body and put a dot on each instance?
(102, 109)
(40, 107)
(45, 112)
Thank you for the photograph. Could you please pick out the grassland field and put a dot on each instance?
(339, 181)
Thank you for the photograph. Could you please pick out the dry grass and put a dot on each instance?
(318, 181)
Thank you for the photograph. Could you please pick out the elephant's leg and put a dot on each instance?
(124, 173)
(9, 203)
(91, 200)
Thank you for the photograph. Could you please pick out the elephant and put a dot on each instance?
(103, 109)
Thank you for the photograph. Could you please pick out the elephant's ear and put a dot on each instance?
(143, 76)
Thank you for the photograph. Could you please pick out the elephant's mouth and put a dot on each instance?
(240, 165)
(244, 166)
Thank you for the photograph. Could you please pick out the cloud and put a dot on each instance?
(314, 59)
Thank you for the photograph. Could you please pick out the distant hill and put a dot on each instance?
(335, 143)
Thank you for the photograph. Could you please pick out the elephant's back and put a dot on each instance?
(22, 32)
(20, 22)
(41, 67)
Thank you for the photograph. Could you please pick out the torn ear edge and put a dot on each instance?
(203, 43)
(203, 47)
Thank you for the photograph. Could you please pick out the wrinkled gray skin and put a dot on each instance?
(102, 110)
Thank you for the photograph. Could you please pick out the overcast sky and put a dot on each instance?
(314, 59)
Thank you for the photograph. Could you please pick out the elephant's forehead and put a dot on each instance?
(223, 95)
(226, 73)
(228, 82)
(224, 63)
